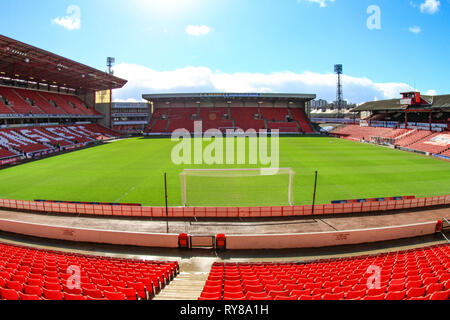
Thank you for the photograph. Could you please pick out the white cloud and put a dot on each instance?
(415, 29)
(72, 21)
(129, 100)
(431, 92)
(322, 3)
(142, 80)
(198, 31)
(430, 6)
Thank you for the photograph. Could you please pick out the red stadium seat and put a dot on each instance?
(69, 296)
(440, 295)
(52, 294)
(355, 294)
(374, 297)
(114, 295)
(416, 292)
(9, 294)
(333, 296)
(395, 295)
(233, 296)
(32, 290)
(93, 293)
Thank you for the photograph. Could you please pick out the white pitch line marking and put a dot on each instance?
(125, 194)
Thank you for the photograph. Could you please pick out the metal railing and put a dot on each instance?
(444, 220)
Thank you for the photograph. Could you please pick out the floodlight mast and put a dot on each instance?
(338, 69)
(110, 61)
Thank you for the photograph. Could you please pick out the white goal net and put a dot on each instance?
(237, 187)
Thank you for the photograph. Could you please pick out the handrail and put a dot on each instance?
(442, 231)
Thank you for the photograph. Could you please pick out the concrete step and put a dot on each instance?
(186, 286)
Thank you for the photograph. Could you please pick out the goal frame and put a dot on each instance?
(263, 171)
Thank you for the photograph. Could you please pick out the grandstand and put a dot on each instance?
(423, 141)
(47, 103)
(418, 123)
(284, 112)
(413, 111)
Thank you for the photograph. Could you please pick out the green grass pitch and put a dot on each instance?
(131, 171)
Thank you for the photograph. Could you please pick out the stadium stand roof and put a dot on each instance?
(437, 102)
(24, 62)
(442, 101)
(231, 96)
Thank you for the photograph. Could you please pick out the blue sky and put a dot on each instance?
(247, 45)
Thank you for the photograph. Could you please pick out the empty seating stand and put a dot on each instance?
(167, 120)
(17, 103)
(420, 140)
(427, 145)
(284, 127)
(12, 139)
(300, 116)
(5, 154)
(44, 105)
(61, 102)
(80, 105)
(213, 118)
(356, 132)
(4, 109)
(244, 118)
(446, 153)
(26, 101)
(274, 114)
(416, 274)
(32, 274)
(413, 138)
(29, 140)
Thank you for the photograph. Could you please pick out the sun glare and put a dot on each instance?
(167, 7)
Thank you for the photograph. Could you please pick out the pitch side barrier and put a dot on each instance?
(223, 212)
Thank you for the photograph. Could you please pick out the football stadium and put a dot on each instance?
(215, 196)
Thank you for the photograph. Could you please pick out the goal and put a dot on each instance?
(237, 187)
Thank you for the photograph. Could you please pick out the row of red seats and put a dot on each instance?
(213, 118)
(288, 127)
(274, 114)
(356, 132)
(33, 274)
(41, 139)
(446, 153)
(23, 101)
(414, 139)
(244, 118)
(4, 154)
(299, 115)
(419, 274)
(427, 145)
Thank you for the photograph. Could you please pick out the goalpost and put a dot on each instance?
(237, 187)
